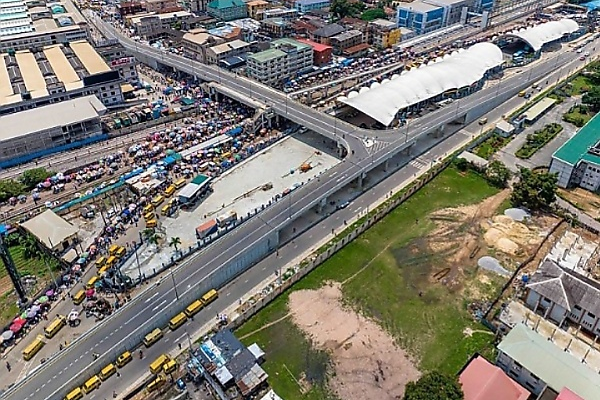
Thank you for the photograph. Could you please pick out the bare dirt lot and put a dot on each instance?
(587, 201)
(367, 364)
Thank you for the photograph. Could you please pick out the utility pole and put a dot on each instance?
(12, 271)
(174, 284)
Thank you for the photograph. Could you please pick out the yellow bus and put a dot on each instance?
(55, 326)
(100, 262)
(151, 223)
(107, 371)
(121, 252)
(152, 337)
(165, 210)
(148, 208)
(177, 321)
(103, 269)
(170, 366)
(193, 308)
(157, 200)
(91, 384)
(170, 190)
(113, 249)
(155, 384)
(112, 260)
(123, 359)
(79, 297)
(92, 282)
(74, 394)
(157, 364)
(149, 216)
(210, 296)
(32, 349)
(179, 183)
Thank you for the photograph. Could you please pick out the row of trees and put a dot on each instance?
(344, 8)
(26, 182)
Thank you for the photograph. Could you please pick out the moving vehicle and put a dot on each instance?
(123, 359)
(155, 384)
(170, 190)
(522, 93)
(121, 252)
(100, 262)
(210, 296)
(157, 364)
(152, 337)
(55, 326)
(79, 297)
(179, 183)
(177, 321)
(92, 282)
(156, 201)
(32, 349)
(483, 121)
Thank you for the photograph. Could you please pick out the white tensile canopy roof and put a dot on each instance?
(539, 35)
(460, 69)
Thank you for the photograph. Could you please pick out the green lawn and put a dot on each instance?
(427, 320)
(491, 145)
(578, 116)
(578, 85)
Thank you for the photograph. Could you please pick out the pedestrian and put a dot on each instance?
(8, 367)
(179, 346)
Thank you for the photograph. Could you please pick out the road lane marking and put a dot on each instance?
(149, 299)
(162, 303)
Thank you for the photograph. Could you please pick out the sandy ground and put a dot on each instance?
(367, 364)
(588, 201)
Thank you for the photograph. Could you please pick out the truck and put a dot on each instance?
(206, 229)
(227, 218)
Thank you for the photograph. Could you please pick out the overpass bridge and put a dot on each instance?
(239, 250)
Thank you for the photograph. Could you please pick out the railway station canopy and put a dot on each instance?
(462, 68)
(538, 36)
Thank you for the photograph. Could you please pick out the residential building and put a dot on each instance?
(286, 14)
(216, 54)
(322, 54)
(227, 32)
(249, 28)
(454, 10)
(153, 25)
(55, 73)
(420, 17)
(324, 34)
(282, 61)
(561, 294)
(383, 34)
(577, 161)
(538, 365)
(306, 6)
(345, 40)
(119, 60)
(482, 380)
(358, 24)
(31, 24)
(227, 10)
(256, 7)
(198, 6)
(40, 131)
(125, 8)
(196, 43)
(276, 27)
(161, 6)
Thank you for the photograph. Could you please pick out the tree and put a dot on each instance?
(153, 239)
(31, 177)
(497, 174)
(461, 164)
(434, 386)
(174, 242)
(592, 98)
(372, 14)
(535, 190)
(343, 8)
(30, 247)
(10, 188)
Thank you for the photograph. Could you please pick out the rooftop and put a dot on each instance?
(50, 116)
(266, 55)
(576, 148)
(482, 380)
(329, 30)
(224, 4)
(291, 42)
(316, 46)
(256, 3)
(306, 2)
(225, 47)
(557, 368)
(384, 23)
(49, 228)
(347, 35)
(418, 6)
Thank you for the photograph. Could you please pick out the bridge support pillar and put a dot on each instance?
(439, 132)
(386, 165)
(321, 205)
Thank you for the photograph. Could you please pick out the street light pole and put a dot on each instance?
(174, 285)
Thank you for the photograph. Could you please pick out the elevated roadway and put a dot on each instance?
(258, 236)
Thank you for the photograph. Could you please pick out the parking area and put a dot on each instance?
(249, 186)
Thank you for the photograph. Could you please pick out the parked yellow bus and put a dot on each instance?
(177, 321)
(157, 200)
(157, 364)
(170, 366)
(55, 326)
(113, 249)
(91, 384)
(32, 349)
(121, 252)
(124, 359)
(210, 296)
(100, 262)
(193, 308)
(155, 384)
(152, 337)
(79, 297)
(179, 183)
(75, 394)
(170, 190)
(108, 371)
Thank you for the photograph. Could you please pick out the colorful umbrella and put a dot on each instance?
(19, 321)
(7, 335)
(43, 299)
(50, 293)
(15, 328)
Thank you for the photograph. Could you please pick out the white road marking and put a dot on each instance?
(149, 299)
(162, 303)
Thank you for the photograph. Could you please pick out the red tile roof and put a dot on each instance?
(318, 47)
(566, 394)
(482, 380)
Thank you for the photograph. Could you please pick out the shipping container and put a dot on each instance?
(206, 229)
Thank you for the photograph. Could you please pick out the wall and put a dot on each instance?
(563, 170)
(520, 374)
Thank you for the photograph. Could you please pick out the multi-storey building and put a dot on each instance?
(420, 17)
(36, 23)
(282, 61)
(346, 40)
(119, 60)
(220, 52)
(286, 14)
(306, 6)
(196, 43)
(256, 7)
(227, 10)
(383, 33)
(36, 77)
(151, 25)
(161, 6)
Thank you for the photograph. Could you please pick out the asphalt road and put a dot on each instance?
(132, 321)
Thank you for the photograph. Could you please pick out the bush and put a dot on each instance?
(538, 139)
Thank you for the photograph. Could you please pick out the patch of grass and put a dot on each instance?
(538, 139)
(426, 319)
(578, 115)
(8, 307)
(578, 85)
(491, 145)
